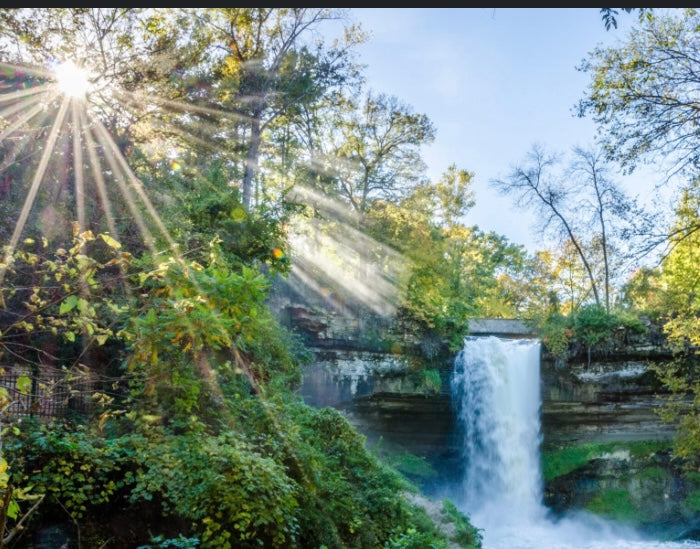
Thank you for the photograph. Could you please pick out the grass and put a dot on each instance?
(561, 461)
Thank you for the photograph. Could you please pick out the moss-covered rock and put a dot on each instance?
(634, 483)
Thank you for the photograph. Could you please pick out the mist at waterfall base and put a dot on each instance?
(496, 386)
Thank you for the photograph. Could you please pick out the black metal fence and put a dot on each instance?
(48, 393)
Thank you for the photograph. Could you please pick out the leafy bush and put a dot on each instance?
(556, 335)
(413, 539)
(234, 496)
(467, 535)
(81, 470)
(591, 326)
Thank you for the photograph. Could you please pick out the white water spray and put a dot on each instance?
(496, 385)
(499, 409)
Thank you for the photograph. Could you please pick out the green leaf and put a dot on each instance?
(13, 509)
(68, 304)
(70, 336)
(24, 384)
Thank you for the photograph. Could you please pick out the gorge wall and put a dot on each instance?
(607, 447)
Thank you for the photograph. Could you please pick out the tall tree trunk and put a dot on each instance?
(574, 241)
(594, 286)
(252, 160)
(603, 235)
(605, 263)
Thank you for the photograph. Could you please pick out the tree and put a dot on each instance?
(124, 51)
(605, 202)
(609, 15)
(80, 144)
(580, 204)
(266, 67)
(643, 94)
(533, 186)
(377, 150)
(678, 284)
(680, 277)
(455, 271)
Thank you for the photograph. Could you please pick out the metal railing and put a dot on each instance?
(48, 393)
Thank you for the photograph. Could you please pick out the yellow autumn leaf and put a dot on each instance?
(110, 241)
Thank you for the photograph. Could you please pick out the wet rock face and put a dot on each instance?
(601, 402)
(389, 401)
(337, 377)
(600, 422)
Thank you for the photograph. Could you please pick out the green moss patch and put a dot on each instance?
(561, 461)
(616, 505)
(692, 500)
(654, 473)
(411, 465)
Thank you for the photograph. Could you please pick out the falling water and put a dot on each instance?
(496, 385)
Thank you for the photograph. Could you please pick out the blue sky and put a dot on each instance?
(494, 81)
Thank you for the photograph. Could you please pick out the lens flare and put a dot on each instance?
(72, 80)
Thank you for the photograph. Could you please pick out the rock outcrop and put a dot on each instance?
(396, 391)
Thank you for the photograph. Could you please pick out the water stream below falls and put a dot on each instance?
(496, 385)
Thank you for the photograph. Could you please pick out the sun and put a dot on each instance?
(72, 80)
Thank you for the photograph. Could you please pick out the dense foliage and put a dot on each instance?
(148, 388)
(208, 440)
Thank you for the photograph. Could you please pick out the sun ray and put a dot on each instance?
(12, 96)
(101, 189)
(181, 106)
(36, 182)
(323, 203)
(210, 128)
(99, 178)
(125, 192)
(22, 121)
(12, 109)
(23, 141)
(190, 137)
(135, 183)
(78, 168)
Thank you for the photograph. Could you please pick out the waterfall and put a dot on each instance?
(498, 387)
(496, 390)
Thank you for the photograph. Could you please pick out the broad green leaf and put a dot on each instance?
(24, 384)
(13, 509)
(68, 304)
